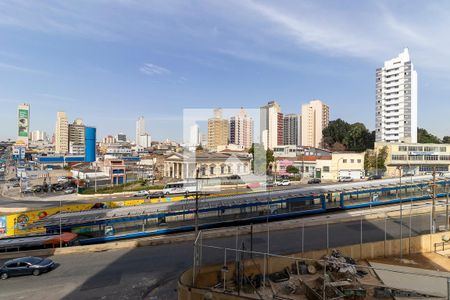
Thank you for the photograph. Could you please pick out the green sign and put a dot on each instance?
(23, 122)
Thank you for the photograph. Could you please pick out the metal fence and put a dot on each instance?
(264, 242)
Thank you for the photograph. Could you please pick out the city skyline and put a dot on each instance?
(96, 70)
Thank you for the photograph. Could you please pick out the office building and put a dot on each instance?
(77, 137)
(121, 138)
(61, 133)
(218, 129)
(396, 101)
(315, 118)
(271, 126)
(415, 159)
(23, 123)
(241, 130)
(291, 130)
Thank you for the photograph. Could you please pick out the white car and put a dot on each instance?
(142, 193)
(284, 183)
(345, 179)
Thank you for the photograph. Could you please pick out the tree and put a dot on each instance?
(374, 160)
(341, 136)
(424, 137)
(358, 138)
(292, 170)
(446, 139)
(334, 133)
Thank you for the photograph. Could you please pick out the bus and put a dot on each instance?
(181, 187)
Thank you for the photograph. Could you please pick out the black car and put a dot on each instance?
(374, 177)
(26, 266)
(314, 181)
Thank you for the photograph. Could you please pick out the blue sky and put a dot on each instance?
(110, 61)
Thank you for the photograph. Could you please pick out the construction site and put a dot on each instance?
(409, 268)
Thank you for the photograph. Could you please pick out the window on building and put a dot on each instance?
(326, 169)
(211, 170)
(344, 161)
(430, 157)
(359, 161)
(222, 169)
(352, 161)
(398, 157)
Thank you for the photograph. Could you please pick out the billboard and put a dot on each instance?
(3, 227)
(23, 123)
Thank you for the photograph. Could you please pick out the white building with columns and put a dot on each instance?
(210, 165)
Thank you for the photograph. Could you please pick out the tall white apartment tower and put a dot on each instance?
(241, 129)
(140, 129)
(61, 133)
(271, 126)
(315, 118)
(396, 101)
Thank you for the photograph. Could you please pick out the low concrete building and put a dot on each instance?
(327, 167)
(210, 165)
(341, 164)
(415, 158)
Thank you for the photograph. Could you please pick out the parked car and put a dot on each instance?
(155, 195)
(37, 188)
(408, 175)
(283, 183)
(345, 179)
(26, 266)
(69, 190)
(16, 184)
(314, 181)
(270, 184)
(28, 190)
(374, 177)
(142, 193)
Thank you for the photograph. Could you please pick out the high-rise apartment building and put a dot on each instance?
(61, 133)
(315, 118)
(140, 129)
(23, 123)
(291, 128)
(271, 126)
(38, 135)
(241, 130)
(217, 131)
(194, 136)
(396, 101)
(77, 137)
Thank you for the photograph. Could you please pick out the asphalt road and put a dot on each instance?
(152, 272)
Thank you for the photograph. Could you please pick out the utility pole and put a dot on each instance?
(401, 211)
(446, 206)
(433, 211)
(196, 202)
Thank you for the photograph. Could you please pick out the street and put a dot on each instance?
(152, 272)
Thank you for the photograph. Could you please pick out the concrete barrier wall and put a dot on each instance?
(208, 274)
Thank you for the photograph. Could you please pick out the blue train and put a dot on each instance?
(103, 225)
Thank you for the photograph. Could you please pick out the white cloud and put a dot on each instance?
(20, 68)
(153, 70)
